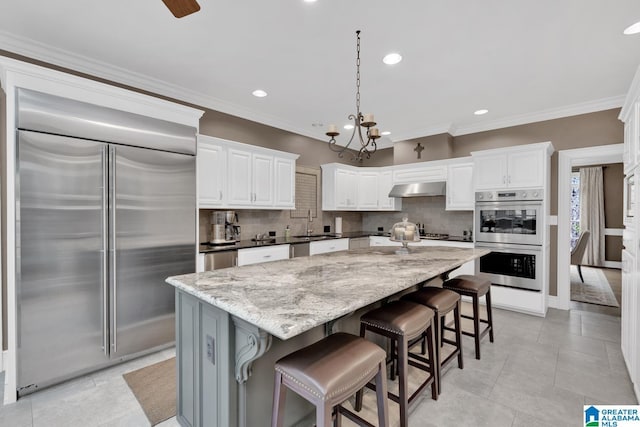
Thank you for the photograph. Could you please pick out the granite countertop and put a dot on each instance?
(244, 244)
(289, 297)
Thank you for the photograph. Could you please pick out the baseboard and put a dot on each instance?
(613, 264)
(3, 357)
(552, 301)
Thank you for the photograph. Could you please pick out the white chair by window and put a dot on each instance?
(578, 251)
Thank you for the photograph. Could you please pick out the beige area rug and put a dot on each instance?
(594, 290)
(155, 388)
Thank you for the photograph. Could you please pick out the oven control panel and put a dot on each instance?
(510, 195)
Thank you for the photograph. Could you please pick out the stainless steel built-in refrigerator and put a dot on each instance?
(105, 212)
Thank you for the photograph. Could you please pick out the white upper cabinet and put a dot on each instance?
(235, 175)
(385, 183)
(346, 189)
(285, 182)
(263, 178)
(350, 188)
(460, 194)
(211, 172)
(368, 190)
(516, 167)
(240, 178)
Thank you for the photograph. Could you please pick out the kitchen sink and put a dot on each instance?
(315, 236)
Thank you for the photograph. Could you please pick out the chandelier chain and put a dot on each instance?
(358, 75)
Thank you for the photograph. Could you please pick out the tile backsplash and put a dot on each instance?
(425, 210)
(254, 221)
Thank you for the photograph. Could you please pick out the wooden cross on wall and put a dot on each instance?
(418, 150)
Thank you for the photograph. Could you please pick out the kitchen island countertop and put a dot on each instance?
(289, 297)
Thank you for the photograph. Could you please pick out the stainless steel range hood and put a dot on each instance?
(418, 189)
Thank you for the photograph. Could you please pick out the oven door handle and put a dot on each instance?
(504, 247)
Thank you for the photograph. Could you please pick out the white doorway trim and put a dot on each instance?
(567, 159)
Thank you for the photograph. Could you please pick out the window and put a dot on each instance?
(575, 208)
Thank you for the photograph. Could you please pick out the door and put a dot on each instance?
(239, 178)
(385, 183)
(367, 190)
(346, 188)
(153, 219)
(262, 180)
(59, 258)
(211, 172)
(285, 183)
(460, 195)
(490, 172)
(526, 169)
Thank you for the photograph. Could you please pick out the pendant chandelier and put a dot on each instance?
(368, 140)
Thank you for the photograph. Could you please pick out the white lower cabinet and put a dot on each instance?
(326, 246)
(265, 254)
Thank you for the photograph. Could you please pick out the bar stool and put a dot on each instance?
(327, 373)
(402, 322)
(442, 302)
(474, 287)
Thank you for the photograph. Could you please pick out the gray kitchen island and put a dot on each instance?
(233, 324)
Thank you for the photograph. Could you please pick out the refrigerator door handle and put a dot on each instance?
(112, 248)
(105, 252)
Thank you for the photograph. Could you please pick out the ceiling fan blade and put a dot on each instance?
(181, 8)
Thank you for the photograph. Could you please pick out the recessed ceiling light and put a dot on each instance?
(632, 29)
(385, 133)
(392, 58)
(309, 1)
(348, 126)
(480, 112)
(259, 93)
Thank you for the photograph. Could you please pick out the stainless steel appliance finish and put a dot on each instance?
(418, 189)
(99, 228)
(218, 260)
(513, 216)
(61, 116)
(518, 266)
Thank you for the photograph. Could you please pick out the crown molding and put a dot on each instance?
(90, 66)
(422, 132)
(632, 95)
(541, 116)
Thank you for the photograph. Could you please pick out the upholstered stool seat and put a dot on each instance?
(474, 287)
(327, 373)
(401, 322)
(442, 302)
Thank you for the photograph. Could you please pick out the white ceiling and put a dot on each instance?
(524, 61)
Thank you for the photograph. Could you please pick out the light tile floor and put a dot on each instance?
(539, 371)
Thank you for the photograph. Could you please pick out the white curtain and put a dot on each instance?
(592, 213)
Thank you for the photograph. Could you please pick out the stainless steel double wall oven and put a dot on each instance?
(510, 224)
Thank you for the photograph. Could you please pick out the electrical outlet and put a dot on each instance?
(211, 349)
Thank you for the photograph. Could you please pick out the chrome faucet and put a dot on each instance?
(309, 221)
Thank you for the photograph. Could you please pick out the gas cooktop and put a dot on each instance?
(434, 236)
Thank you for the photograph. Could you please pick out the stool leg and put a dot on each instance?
(358, 406)
(476, 324)
(381, 395)
(487, 297)
(337, 421)
(277, 413)
(394, 360)
(456, 314)
(403, 389)
(433, 363)
(323, 414)
(436, 343)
